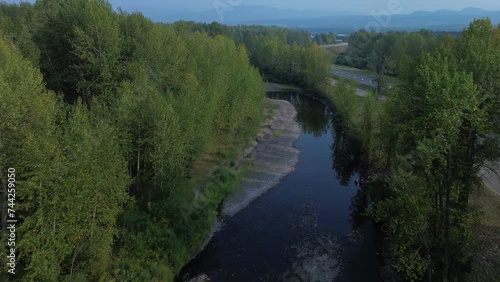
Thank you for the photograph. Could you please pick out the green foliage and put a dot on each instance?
(426, 143)
(281, 55)
(18, 23)
(387, 54)
(307, 67)
(80, 48)
(177, 105)
(407, 231)
(370, 127)
(325, 38)
(437, 119)
(110, 189)
(27, 127)
(343, 97)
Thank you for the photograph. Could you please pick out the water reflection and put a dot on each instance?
(345, 153)
(315, 119)
(312, 114)
(309, 227)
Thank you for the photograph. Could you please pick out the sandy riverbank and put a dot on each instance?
(270, 159)
(491, 177)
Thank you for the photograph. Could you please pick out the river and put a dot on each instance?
(309, 227)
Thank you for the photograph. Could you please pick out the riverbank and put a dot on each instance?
(491, 177)
(486, 258)
(272, 157)
(268, 159)
(262, 165)
(276, 87)
(303, 229)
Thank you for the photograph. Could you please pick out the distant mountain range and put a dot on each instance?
(236, 15)
(343, 22)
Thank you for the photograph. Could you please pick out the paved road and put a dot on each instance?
(361, 79)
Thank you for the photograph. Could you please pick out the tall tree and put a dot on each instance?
(434, 111)
(80, 47)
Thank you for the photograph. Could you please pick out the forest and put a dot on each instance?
(424, 144)
(124, 134)
(112, 123)
(281, 55)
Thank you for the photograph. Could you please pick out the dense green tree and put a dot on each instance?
(433, 113)
(113, 187)
(381, 59)
(325, 38)
(80, 47)
(27, 142)
(18, 23)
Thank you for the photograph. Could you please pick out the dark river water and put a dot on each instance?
(309, 227)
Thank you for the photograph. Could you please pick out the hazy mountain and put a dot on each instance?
(441, 20)
(345, 22)
(235, 15)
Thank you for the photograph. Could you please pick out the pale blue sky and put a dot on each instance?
(359, 6)
(362, 6)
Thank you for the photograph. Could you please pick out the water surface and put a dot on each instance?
(308, 227)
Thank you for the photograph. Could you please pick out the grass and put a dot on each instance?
(486, 264)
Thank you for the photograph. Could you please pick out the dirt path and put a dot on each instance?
(272, 158)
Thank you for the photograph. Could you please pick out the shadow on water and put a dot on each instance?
(345, 153)
(311, 226)
(316, 119)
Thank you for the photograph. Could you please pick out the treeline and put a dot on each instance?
(389, 50)
(112, 124)
(425, 146)
(241, 34)
(387, 53)
(281, 55)
(325, 38)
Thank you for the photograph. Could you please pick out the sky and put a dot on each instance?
(357, 6)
